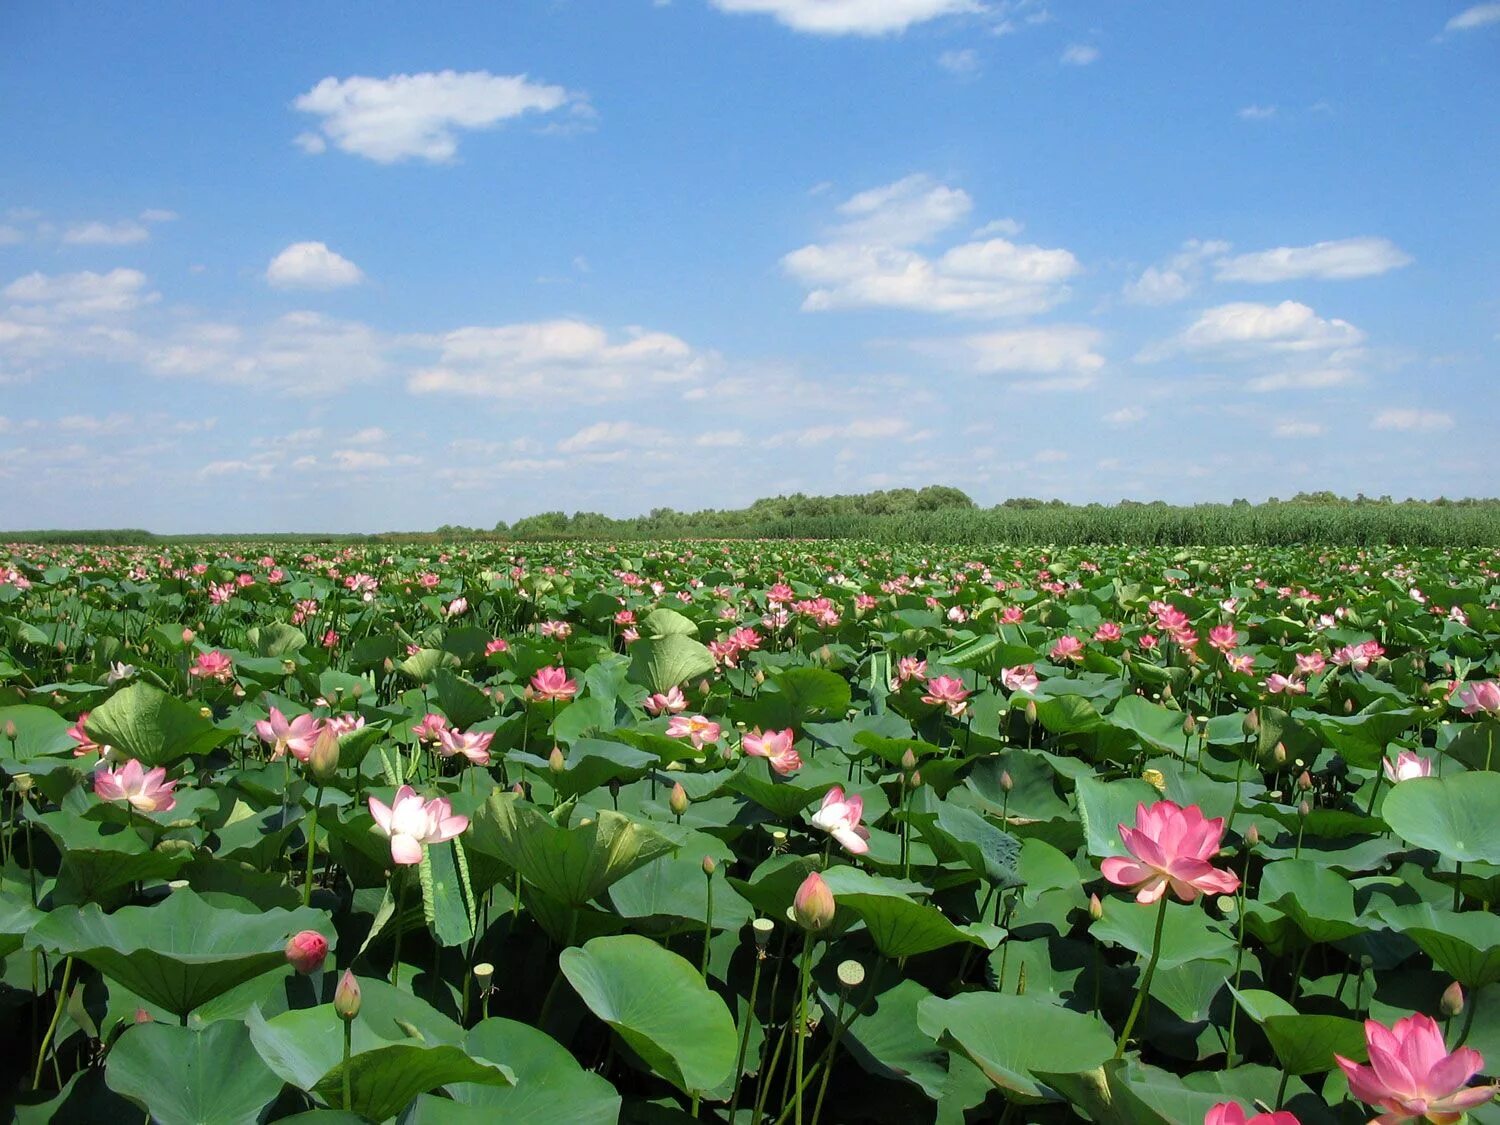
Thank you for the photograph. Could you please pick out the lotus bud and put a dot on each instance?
(908, 761)
(143, 1016)
(484, 974)
(387, 665)
(678, 801)
(614, 788)
(1030, 712)
(1279, 754)
(1304, 781)
(813, 906)
(346, 996)
(323, 759)
(851, 974)
(1167, 694)
(709, 866)
(1096, 907)
(704, 687)
(356, 691)
(1304, 808)
(1348, 706)
(10, 729)
(1007, 783)
(1190, 726)
(306, 951)
(1252, 836)
(1453, 1000)
(760, 676)
(188, 636)
(915, 781)
(518, 789)
(762, 929)
(555, 761)
(1250, 724)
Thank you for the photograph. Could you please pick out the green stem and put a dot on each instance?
(708, 926)
(312, 848)
(399, 879)
(1470, 1004)
(739, 1062)
(1145, 986)
(802, 1021)
(348, 1041)
(62, 999)
(1458, 875)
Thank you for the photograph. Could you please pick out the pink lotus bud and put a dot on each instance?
(143, 1016)
(555, 761)
(10, 729)
(1279, 754)
(813, 905)
(678, 802)
(1252, 837)
(346, 996)
(1250, 724)
(1189, 725)
(916, 779)
(1453, 1000)
(1031, 712)
(1304, 781)
(323, 758)
(709, 866)
(306, 951)
(188, 636)
(1007, 783)
(908, 761)
(1096, 908)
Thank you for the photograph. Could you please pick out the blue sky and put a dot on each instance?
(302, 266)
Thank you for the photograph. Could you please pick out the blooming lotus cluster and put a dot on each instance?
(669, 702)
(412, 823)
(214, 665)
(1170, 847)
(473, 745)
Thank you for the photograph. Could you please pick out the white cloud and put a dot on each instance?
(1313, 379)
(1298, 429)
(367, 460)
(1009, 228)
(605, 435)
(84, 295)
(868, 259)
(1256, 112)
(1244, 327)
(857, 429)
(1398, 418)
(1175, 279)
(963, 63)
(417, 116)
(299, 354)
(1080, 54)
(1480, 15)
(158, 215)
(105, 234)
(850, 17)
(10, 236)
(370, 435)
(1126, 416)
(558, 360)
(1337, 260)
(311, 265)
(1061, 357)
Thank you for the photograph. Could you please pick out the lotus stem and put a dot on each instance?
(348, 1043)
(312, 848)
(802, 1021)
(739, 1061)
(399, 887)
(62, 999)
(1145, 985)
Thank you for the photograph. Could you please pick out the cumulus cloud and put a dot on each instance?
(1256, 112)
(1247, 328)
(557, 360)
(851, 17)
(1337, 260)
(300, 354)
(311, 265)
(869, 259)
(1480, 15)
(1052, 357)
(83, 295)
(418, 116)
(1411, 419)
(1175, 279)
(1126, 416)
(105, 234)
(619, 434)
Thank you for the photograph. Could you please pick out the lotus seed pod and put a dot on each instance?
(762, 929)
(813, 906)
(555, 761)
(346, 996)
(851, 974)
(678, 802)
(484, 975)
(1453, 1000)
(205, 712)
(1156, 779)
(709, 866)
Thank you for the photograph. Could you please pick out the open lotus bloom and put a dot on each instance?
(839, 817)
(412, 823)
(1170, 846)
(1408, 764)
(146, 790)
(776, 747)
(1230, 1113)
(1412, 1076)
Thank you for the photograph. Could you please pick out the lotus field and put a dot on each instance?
(752, 832)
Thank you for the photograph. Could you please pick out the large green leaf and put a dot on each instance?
(144, 722)
(1186, 935)
(1319, 901)
(572, 864)
(658, 1004)
(897, 925)
(1453, 816)
(40, 732)
(1465, 946)
(182, 952)
(661, 663)
(192, 1076)
(1014, 1038)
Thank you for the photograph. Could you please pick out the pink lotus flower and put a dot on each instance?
(412, 823)
(1241, 662)
(1412, 1076)
(1482, 697)
(499, 644)
(553, 684)
(1148, 642)
(297, 735)
(1067, 647)
(1230, 1113)
(430, 727)
(78, 732)
(1310, 663)
(556, 630)
(1022, 679)
(839, 817)
(1223, 637)
(1408, 764)
(1171, 847)
(1107, 633)
(910, 668)
(146, 790)
(1277, 684)
(213, 665)
(776, 747)
(457, 606)
(1012, 615)
(949, 692)
(671, 702)
(306, 950)
(697, 729)
(473, 745)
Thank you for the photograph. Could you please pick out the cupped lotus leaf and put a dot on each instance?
(17, 917)
(143, 722)
(1453, 816)
(1318, 901)
(971, 653)
(667, 623)
(898, 925)
(424, 664)
(773, 884)
(1304, 1044)
(1157, 727)
(276, 638)
(590, 763)
(809, 690)
(884, 1037)
(1465, 946)
(672, 891)
(1014, 1038)
(573, 864)
(463, 702)
(550, 1085)
(180, 953)
(1187, 934)
(192, 1076)
(986, 849)
(1105, 805)
(662, 663)
(658, 1004)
